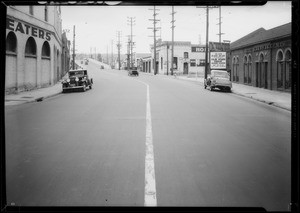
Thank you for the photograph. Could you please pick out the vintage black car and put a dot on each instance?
(133, 71)
(77, 80)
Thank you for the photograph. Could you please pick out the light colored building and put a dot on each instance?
(34, 47)
(188, 58)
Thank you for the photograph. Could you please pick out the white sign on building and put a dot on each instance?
(217, 60)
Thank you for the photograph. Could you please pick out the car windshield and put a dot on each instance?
(220, 74)
(76, 74)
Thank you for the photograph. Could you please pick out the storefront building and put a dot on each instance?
(34, 48)
(263, 59)
(187, 58)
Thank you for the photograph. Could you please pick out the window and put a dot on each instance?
(193, 62)
(30, 48)
(31, 10)
(11, 42)
(161, 63)
(279, 60)
(186, 55)
(288, 70)
(46, 13)
(46, 50)
(245, 70)
(249, 69)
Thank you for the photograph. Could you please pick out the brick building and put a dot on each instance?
(263, 58)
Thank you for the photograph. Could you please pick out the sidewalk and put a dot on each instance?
(276, 98)
(279, 99)
(33, 95)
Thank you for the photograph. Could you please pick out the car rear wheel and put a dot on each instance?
(90, 86)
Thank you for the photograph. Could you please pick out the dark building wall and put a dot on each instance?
(262, 63)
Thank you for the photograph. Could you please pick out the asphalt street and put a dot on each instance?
(88, 148)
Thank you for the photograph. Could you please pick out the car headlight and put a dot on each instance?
(68, 80)
(76, 79)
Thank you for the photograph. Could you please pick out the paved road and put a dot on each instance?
(210, 148)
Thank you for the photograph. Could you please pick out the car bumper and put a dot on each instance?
(73, 87)
(218, 85)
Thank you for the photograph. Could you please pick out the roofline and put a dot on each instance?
(260, 42)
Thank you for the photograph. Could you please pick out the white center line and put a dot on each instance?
(150, 186)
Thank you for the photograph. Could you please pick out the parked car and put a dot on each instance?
(77, 80)
(219, 79)
(133, 71)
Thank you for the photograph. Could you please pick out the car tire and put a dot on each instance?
(90, 86)
(211, 88)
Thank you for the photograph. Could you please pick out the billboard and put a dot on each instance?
(217, 60)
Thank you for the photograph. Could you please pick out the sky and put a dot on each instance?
(96, 27)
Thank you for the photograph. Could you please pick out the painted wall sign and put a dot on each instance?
(198, 49)
(269, 46)
(27, 29)
(218, 60)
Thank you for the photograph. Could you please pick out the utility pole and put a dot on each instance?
(107, 55)
(132, 22)
(119, 47)
(128, 53)
(154, 36)
(220, 33)
(112, 54)
(73, 65)
(207, 30)
(172, 57)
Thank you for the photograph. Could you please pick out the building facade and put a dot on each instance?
(36, 54)
(263, 59)
(188, 58)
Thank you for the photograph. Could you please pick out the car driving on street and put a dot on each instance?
(218, 79)
(77, 79)
(133, 71)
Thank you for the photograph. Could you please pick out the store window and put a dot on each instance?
(11, 42)
(46, 50)
(30, 48)
(279, 60)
